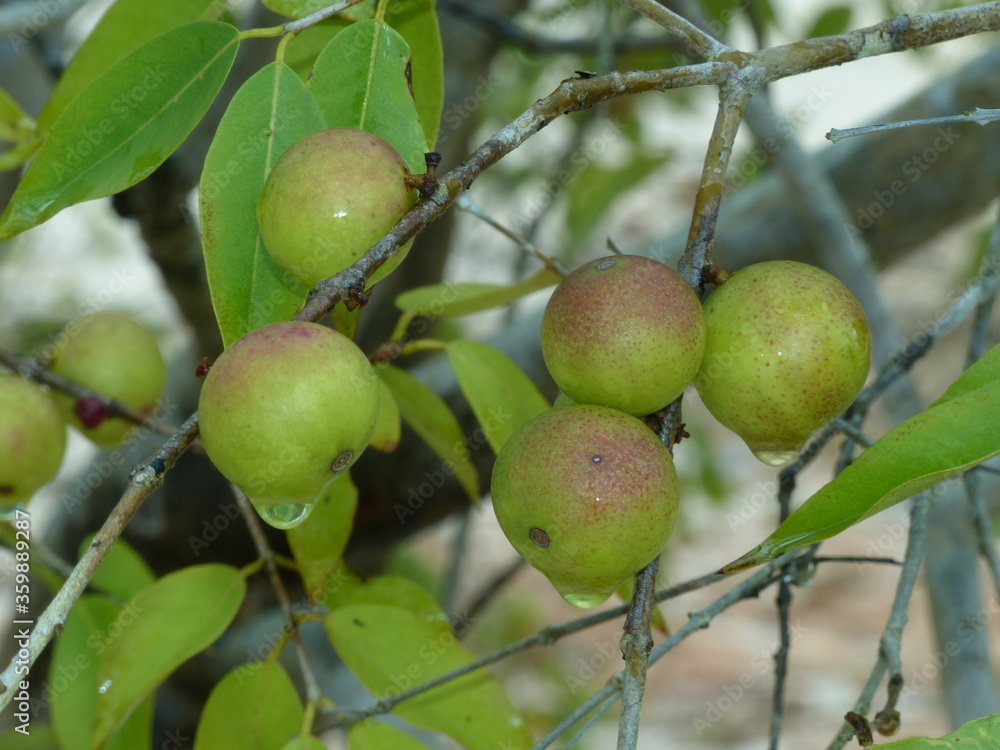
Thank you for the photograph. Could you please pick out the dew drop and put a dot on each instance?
(285, 516)
(104, 687)
(585, 601)
(777, 459)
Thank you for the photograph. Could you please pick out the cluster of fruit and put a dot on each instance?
(586, 492)
(108, 353)
(290, 406)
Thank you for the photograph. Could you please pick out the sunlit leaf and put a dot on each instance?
(126, 26)
(166, 623)
(269, 113)
(390, 650)
(467, 298)
(434, 422)
(360, 81)
(388, 425)
(416, 21)
(254, 707)
(126, 123)
(501, 395)
(377, 735)
(982, 372)
(937, 444)
(123, 572)
(73, 682)
(978, 734)
(319, 543)
(392, 591)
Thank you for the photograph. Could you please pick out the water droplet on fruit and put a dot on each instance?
(104, 687)
(585, 601)
(777, 459)
(285, 516)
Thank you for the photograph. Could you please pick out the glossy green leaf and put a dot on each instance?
(835, 20)
(388, 424)
(126, 123)
(123, 573)
(434, 422)
(126, 26)
(377, 735)
(390, 650)
(392, 591)
(308, 743)
(73, 683)
(269, 113)
(935, 445)
(15, 123)
(319, 543)
(501, 395)
(254, 707)
(161, 628)
(978, 734)
(360, 81)
(416, 21)
(982, 372)
(467, 298)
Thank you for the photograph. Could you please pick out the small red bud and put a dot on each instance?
(91, 411)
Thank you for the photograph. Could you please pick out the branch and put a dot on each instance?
(146, 477)
(978, 116)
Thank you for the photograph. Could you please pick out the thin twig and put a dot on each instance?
(603, 697)
(146, 477)
(978, 116)
(458, 550)
(697, 43)
(636, 644)
(465, 203)
(889, 644)
(485, 596)
(31, 369)
(266, 553)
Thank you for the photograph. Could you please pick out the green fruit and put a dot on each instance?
(788, 350)
(330, 197)
(116, 357)
(284, 411)
(588, 496)
(623, 331)
(32, 439)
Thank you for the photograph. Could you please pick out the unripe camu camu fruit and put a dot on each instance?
(588, 496)
(623, 331)
(330, 197)
(788, 350)
(32, 439)
(116, 357)
(284, 411)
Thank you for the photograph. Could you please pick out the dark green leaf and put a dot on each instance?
(831, 21)
(376, 735)
(935, 445)
(269, 113)
(360, 82)
(978, 734)
(126, 26)
(126, 123)
(437, 426)
(390, 650)
(254, 707)
(501, 395)
(319, 542)
(73, 682)
(416, 21)
(467, 298)
(167, 623)
(309, 743)
(387, 426)
(123, 573)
